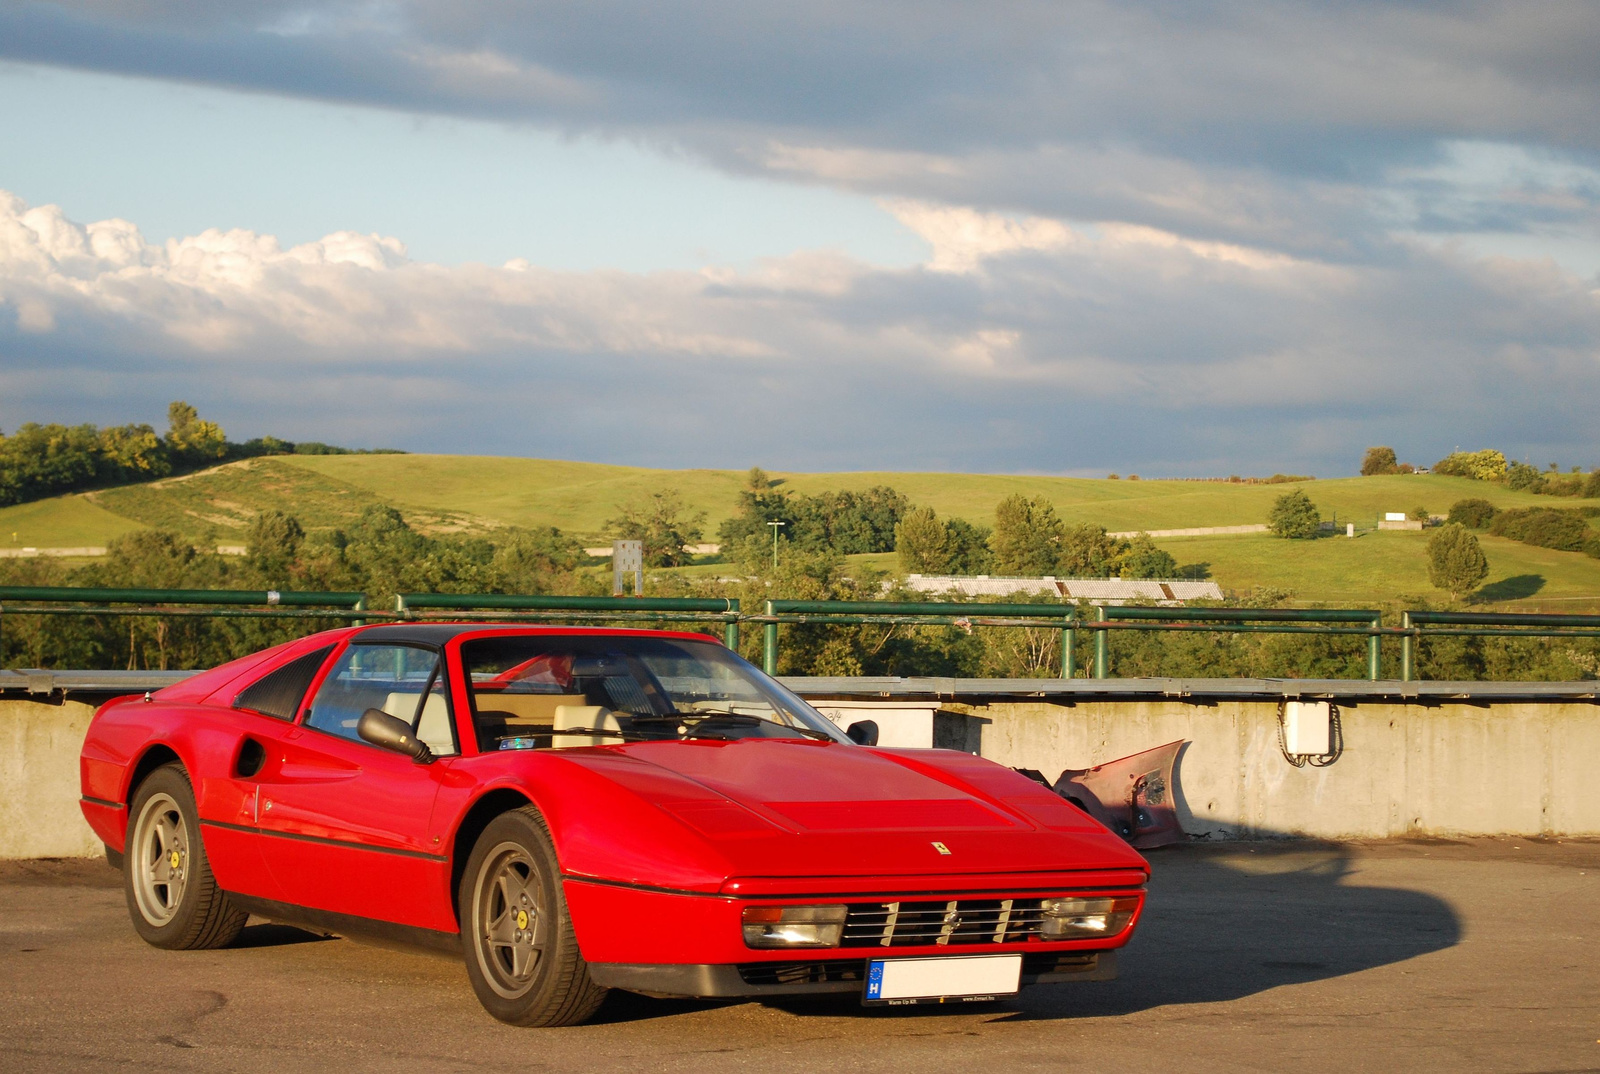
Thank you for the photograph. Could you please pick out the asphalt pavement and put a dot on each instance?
(1477, 955)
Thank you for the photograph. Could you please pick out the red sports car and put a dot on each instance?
(577, 810)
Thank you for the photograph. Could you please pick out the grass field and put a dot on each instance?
(449, 493)
(581, 496)
(64, 522)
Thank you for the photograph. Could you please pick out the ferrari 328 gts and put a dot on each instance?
(575, 810)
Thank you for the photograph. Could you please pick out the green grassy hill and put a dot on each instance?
(457, 493)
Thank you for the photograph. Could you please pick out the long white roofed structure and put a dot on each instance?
(1099, 590)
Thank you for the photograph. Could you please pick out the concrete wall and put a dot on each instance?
(1521, 768)
(39, 743)
(1448, 769)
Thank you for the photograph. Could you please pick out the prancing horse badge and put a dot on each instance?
(941, 848)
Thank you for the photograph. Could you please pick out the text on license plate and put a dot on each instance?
(910, 979)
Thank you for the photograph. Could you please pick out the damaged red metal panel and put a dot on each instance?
(1133, 796)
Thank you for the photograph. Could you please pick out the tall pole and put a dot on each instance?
(775, 526)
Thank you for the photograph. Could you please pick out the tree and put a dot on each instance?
(1591, 486)
(1027, 536)
(1455, 560)
(190, 438)
(273, 546)
(967, 547)
(1294, 516)
(757, 480)
(536, 561)
(921, 542)
(1088, 551)
(1143, 559)
(1474, 514)
(133, 452)
(661, 524)
(1379, 460)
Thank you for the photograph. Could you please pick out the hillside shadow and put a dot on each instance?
(1516, 587)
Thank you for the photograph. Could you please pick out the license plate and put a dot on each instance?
(940, 980)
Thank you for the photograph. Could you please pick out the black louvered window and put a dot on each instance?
(280, 692)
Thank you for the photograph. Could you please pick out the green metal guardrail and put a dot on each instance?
(625, 609)
(219, 603)
(916, 613)
(1414, 626)
(1238, 621)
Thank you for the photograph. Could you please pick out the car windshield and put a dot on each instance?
(540, 691)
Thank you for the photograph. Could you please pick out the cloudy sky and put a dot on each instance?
(1179, 239)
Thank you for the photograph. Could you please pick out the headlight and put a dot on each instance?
(793, 926)
(1081, 919)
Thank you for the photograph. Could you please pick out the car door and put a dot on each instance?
(251, 737)
(345, 824)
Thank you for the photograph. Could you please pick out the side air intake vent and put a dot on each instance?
(280, 692)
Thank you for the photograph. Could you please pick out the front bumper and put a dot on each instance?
(746, 980)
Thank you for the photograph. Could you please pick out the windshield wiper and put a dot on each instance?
(738, 719)
(606, 732)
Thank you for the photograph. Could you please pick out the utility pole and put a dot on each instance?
(775, 526)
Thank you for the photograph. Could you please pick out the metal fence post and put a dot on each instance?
(1069, 651)
(730, 634)
(1408, 653)
(1374, 651)
(1102, 648)
(769, 645)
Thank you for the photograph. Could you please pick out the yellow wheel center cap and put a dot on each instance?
(175, 859)
(522, 919)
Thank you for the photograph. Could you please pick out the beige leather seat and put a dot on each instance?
(434, 728)
(599, 717)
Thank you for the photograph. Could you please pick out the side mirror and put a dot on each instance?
(863, 732)
(393, 733)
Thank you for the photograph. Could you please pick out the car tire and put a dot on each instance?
(172, 897)
(521, 952)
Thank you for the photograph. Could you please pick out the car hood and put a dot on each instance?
(783, 808)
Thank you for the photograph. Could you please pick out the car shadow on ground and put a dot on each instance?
(272, 934)
(1225, 921)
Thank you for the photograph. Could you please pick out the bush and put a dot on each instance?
(1486, 465)
(1473, 514)
(1591, 486)
(1294, 516)
(1544, 527)
(1521, 477)
(1455, 560)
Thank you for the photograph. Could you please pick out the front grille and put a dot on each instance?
(942, 922)
(789, 973)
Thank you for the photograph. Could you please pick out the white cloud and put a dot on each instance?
(1179, 351)
(963, 238)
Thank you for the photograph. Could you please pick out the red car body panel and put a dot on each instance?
(682, 832)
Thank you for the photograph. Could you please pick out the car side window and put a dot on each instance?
(402, 680)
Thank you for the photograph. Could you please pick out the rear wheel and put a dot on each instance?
(522, 955)
(172, 897)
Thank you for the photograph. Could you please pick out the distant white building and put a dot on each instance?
(1098, 590)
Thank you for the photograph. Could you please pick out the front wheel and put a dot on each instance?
(172, 897)
(522, 954)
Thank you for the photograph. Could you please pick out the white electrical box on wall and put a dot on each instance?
(1307, 728)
